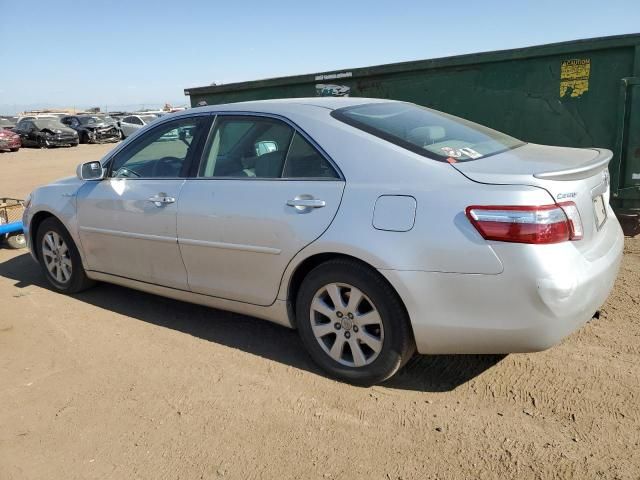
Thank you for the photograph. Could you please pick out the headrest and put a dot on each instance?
(426, 135)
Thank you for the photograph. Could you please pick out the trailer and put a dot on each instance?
(583, 93)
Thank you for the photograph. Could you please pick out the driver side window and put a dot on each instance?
(160, 153)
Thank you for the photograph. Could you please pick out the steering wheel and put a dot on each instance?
(167, 164)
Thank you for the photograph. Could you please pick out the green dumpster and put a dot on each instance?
(583, 93)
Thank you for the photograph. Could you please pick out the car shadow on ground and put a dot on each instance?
(428, 373)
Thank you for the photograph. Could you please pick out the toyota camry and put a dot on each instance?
(375, 228)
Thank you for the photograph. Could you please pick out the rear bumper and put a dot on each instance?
(10, 227)
(543, 295)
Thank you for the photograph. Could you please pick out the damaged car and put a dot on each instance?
(93, 128)
(9, 140)
(7, 123)
(45, 133)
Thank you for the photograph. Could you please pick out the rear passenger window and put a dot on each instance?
(304, 161)
(252, 147)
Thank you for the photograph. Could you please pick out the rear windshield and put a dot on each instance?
(89, 120)
(48, 123)
(428, 132)
(148, 118)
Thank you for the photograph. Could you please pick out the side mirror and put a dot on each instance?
(90, 171)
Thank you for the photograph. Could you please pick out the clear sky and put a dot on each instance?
(126, 54)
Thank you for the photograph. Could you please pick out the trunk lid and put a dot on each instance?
(567, 174)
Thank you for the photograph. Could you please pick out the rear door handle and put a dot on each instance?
(303, 203)
(161, 199)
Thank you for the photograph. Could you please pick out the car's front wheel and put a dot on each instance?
(353, 323)
(59, 258)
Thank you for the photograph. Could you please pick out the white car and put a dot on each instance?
(376, 228)
(132, 123)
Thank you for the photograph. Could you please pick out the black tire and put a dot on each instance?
(398, 345)
(42, 143)
(75, 144)
(78, 280)
(16, 240)
(15, 149)
(84, 138)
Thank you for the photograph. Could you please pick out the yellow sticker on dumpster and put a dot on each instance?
(574, 77)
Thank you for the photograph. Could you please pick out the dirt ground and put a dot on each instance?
(113, 383)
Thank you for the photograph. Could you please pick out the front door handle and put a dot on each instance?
(305, 203)
(161, 199)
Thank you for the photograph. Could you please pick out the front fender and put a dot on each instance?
(57, 200)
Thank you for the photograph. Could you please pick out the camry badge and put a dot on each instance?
(562, 196)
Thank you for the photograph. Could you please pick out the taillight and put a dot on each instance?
(575, 222)
(527, 224)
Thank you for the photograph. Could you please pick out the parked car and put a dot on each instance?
(24, 118)
(45, 132)
(93, 128)
(7, 123)
(117, 116)
(9, 140)
(376, 228)
(132, 123)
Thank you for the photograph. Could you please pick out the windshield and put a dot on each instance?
(148, 118)
(428, 132)
(90, 120)
(47, 123)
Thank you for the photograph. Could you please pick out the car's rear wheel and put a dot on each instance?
(353, 323)
(59, 258)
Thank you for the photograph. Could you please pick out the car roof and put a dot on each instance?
(282, 105)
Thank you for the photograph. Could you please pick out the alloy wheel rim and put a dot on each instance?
(346, 324)
(57, 257)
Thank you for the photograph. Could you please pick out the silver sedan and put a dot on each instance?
(376, 228)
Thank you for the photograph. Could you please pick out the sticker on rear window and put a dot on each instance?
(459, 152)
